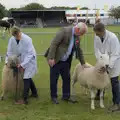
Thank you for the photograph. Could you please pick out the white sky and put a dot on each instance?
(71, 3)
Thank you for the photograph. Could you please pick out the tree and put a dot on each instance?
(33, 6)
(84, 8)
(59, 8)
(115, 12)
(3, 11)
(9, 11)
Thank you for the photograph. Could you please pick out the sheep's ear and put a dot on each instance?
(106, 52)
(99, 53)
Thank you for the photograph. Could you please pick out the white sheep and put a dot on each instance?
(12, 81)
(93, 78)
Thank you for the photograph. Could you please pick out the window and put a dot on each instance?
(101, 14)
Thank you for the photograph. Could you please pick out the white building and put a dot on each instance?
(88, 15)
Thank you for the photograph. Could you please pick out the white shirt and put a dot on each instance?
(110, 45)
(26, 53)
(71, 44)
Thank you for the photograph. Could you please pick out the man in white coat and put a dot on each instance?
(21, 45)
(106, 41)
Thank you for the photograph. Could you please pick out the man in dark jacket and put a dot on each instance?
(59, 57)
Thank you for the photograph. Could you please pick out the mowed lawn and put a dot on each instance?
(42, 108)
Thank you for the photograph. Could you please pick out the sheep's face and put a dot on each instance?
(103, 62)
(104, 58)
(12, 61)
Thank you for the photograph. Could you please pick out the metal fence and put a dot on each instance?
(42, 40)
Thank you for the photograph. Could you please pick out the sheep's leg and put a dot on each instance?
(74, 80)
(2, 95)
(73, 94)
(73, 90)
(92, 99)
(101, 99)
(86, 91)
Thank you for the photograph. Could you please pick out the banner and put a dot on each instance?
(78, 7)
(97, 13)
(106, 8)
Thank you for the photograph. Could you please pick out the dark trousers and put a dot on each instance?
(115, 90)
(61, 68)
(29, 84)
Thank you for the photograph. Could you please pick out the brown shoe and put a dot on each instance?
(114, 108)
(21, 102)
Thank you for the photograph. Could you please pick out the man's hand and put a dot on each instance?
(102, 70)
(105, 69)
(109, 70)
(20, 67)
(51, 62)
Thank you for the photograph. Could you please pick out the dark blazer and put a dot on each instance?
(60, 44)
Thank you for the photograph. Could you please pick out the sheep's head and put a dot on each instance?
(12, 61)
(103, 62)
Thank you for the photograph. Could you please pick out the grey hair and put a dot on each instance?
(82, 26)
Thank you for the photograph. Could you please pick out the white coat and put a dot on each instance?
(26, 54)
(110, 45)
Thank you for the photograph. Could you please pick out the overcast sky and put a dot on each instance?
(71, 3)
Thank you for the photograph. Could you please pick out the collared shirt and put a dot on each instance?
(17, 41)
(102, 39)
(66, 56)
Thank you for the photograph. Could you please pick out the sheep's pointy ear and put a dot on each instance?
(106, 52)
(99, 53)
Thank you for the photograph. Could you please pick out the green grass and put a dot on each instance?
(43, 109)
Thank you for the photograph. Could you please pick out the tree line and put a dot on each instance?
(113, 12)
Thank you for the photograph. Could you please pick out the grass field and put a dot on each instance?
(42, 108)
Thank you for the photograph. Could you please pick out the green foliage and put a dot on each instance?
(84, 8)
(66, 8)
(9, 11)
(115, 12)
(3, 11)
(33, 6)
(62, 8)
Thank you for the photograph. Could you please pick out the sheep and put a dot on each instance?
(92, 78)
(12, 80)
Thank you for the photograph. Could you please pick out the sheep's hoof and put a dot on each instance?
(1, 98)
(92, 107)
(102, 106)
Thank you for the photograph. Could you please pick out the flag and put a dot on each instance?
(87, 14)
(78, 7)
(105, 7)
(97, 13)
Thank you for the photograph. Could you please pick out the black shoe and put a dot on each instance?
(26, 102)
(34, 96)
(69, 100)
(114, 108)
(54, 100)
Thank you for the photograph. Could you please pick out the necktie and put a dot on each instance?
(76, 45)
(102, 39)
